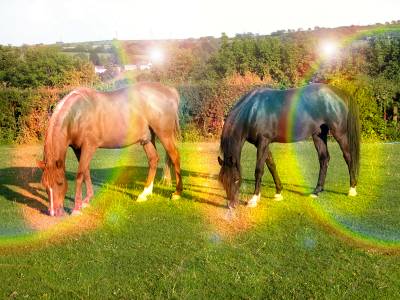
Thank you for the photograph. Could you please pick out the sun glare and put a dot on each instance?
(329, 48)
(156, 56)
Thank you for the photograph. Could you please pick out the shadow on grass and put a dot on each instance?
(22, 185)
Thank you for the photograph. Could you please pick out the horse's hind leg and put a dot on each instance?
(320, 143)
(152, 157)
(173, 153)
(344, 146)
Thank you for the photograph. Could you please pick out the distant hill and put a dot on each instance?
(137, 51)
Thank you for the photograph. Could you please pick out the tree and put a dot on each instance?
(32, 67)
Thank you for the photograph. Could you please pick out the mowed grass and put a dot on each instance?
(333, 247)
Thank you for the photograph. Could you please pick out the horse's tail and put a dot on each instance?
(177, 129)
(168, 165)
(353, 135)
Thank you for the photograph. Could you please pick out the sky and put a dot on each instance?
(50, 21)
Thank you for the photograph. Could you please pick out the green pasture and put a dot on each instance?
(332, 247)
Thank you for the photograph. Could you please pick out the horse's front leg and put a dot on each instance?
(272, 169)
(86, 154)
(262, 148)
(87, 179)
(152, 157)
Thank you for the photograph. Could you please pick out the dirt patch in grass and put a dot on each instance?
(21, 182)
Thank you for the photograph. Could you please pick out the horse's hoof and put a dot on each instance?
(253, 201)
(251, 204)
(278, 197)
(141, 198)
(313, 195)
(175, 197)
(85, 205)
(352, 192)
(76, 212)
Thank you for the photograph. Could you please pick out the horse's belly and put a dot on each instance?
(297, 132)
(119, 141)
(123, 138)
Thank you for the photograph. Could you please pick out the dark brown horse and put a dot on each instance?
(86, 120)
(264, 116)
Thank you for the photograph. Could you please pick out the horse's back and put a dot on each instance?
(288, 115)
(118, 118)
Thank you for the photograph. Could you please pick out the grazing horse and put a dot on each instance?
(264, 116)
(86, 119)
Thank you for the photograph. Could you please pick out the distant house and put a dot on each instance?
(147, 66)
(99, 69)
(130, 67)
(138, 66)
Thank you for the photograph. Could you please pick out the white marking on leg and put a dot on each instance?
(253, 201)
(51, 203)
(147, 191)
(278, 197)
(352, 191)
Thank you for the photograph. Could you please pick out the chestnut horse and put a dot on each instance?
(86, 119)
(265, 116)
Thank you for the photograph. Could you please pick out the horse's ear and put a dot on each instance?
(40, 164)
(220, 161)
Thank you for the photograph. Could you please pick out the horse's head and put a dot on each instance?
(53, 179)
(230, 178)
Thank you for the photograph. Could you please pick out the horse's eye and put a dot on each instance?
(59, 183)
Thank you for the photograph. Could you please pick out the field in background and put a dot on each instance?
(331, 247)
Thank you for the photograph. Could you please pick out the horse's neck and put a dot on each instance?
(234, 146)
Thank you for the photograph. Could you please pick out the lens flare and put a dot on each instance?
(156, 56)
(329, 48)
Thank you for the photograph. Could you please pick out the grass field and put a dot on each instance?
(332, 247)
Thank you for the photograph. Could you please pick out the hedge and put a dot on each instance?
(25, 113)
